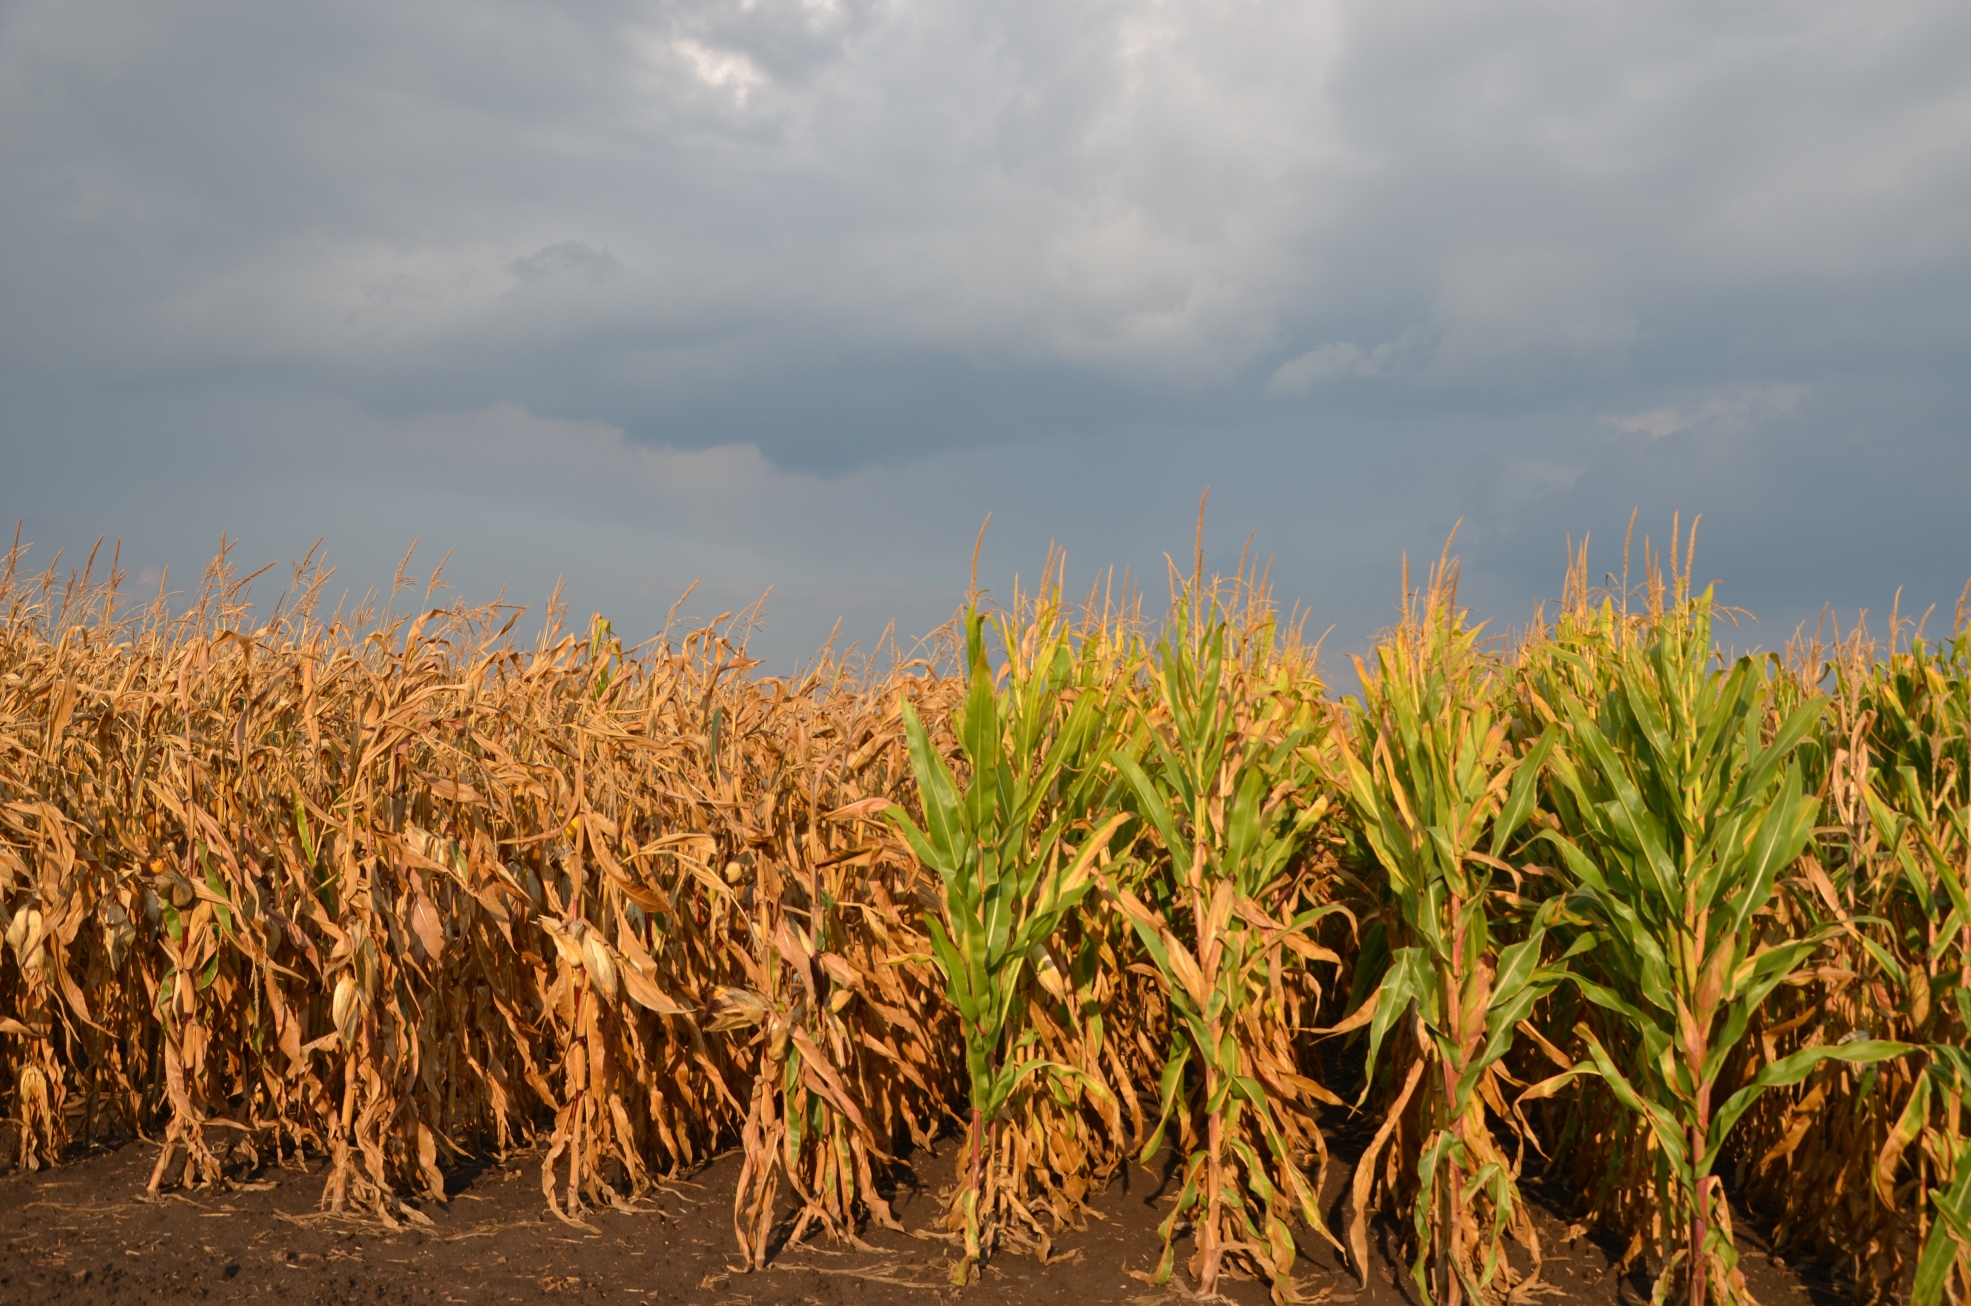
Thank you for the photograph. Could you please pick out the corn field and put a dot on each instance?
(1685, 936)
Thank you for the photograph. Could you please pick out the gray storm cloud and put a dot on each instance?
(795, 292)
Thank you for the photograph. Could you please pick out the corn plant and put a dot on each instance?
(1676, 816)
(1221, 776)
(845, 1030)
(1908, 792)
(1014, 854)
(816, 1119)
(397, 891)
(394, 891)
(1438, 786)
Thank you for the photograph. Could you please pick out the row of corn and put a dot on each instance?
(1683, 937)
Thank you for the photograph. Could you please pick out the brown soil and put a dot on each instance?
(87, 1233)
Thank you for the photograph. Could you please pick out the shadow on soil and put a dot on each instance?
(88, 1233)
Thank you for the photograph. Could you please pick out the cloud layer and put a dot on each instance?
(794, 291)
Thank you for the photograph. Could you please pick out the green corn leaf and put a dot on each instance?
(1791, 1070)
(1524, 793)
(945, 833)
(1153, 808)
(1949, 1241)
(1400, 984)
(1668, 1130)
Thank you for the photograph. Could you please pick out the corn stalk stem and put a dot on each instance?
(1700, 1225)
(978, 1146)
(1450, 1287)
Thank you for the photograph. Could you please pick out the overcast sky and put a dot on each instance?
(792, 293)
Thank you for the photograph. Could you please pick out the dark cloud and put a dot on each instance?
(566, 258)
(794, 291)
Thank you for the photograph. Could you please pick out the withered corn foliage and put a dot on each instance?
(1676, 935)
(393, 891)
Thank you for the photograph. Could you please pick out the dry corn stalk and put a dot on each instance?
(393, 890)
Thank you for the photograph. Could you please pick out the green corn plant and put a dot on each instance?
(1675, 817)
(1014, 856)
(1946, 1248)
(1915, 799)
(1223, 780)
(1438, 789)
